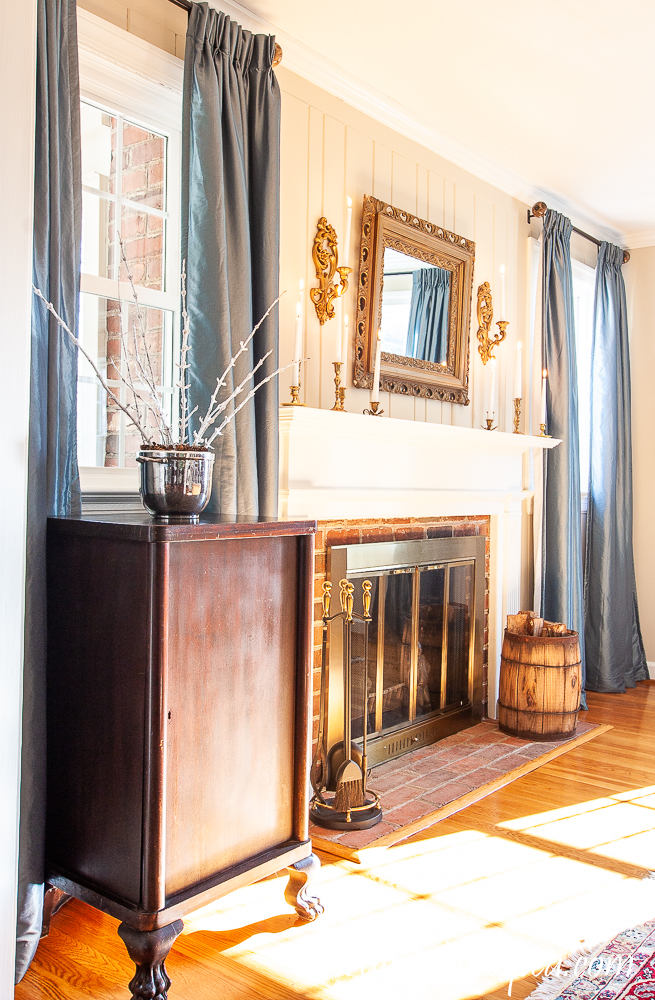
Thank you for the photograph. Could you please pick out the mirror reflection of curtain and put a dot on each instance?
(427, 333)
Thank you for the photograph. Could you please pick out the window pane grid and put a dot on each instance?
(124, 168)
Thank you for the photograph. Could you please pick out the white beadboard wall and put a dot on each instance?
(330, 151)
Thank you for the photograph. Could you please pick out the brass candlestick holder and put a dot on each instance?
(517, 414)
(295, 390)
(339, 390)
(344, 769)
(542, 431)
(488, 340)
(488, 424)
(374, 411)
(326, 259)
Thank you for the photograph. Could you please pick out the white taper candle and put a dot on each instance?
(492, 389)
(297, 346)
(544, 379)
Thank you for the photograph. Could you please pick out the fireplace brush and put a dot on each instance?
(353, 807)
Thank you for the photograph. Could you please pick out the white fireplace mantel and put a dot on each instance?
(337, 466)
(345, 465)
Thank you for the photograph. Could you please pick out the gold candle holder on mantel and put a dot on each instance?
(489, 424)
(339, 390)
(295, 392)
(374, 411)
(517, 414)
(542, 431)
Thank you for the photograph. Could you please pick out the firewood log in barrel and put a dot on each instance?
(539, 695)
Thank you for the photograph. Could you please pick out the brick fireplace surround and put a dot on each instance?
(397, 529)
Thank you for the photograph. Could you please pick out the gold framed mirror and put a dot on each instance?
(415, 286)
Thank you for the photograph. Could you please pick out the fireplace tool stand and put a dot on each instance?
(353, 806)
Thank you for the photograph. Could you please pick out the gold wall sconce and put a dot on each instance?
(488, 340)
(326, 260)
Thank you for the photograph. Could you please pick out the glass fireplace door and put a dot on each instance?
(420, 655)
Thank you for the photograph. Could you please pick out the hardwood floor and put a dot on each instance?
(464, 909)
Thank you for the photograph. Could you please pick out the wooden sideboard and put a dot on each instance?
(179, 686)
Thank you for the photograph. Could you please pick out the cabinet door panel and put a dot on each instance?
(231, 703)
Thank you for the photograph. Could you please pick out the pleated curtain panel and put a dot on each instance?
(230, 241)
(427, 332)
(53, 482)
(562, 579)
(615, 651)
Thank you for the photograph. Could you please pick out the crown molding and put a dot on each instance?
(323, 73)
(636, 241)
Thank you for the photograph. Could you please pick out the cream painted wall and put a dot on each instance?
(639, 276)
(330, 151)
(161, 23)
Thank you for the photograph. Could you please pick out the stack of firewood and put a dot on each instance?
(528, 623)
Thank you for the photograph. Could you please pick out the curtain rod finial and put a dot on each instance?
(626, 256)
(277, 58)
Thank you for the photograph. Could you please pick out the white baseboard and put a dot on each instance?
(651, 668)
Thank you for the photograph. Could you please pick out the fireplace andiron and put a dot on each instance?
(352, 807)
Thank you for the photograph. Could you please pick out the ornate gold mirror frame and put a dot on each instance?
(384, 226)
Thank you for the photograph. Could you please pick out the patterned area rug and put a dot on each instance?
(616, 971)
(428, 784)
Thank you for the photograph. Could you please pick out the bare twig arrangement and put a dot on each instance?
(139, 379)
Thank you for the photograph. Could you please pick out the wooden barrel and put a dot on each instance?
(539, 695)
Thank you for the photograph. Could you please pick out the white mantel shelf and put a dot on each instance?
(347, 465)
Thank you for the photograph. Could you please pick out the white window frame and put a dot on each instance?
(120, 72)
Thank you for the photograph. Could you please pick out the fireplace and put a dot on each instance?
(424, 670)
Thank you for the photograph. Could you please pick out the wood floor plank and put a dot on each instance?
(481, 900)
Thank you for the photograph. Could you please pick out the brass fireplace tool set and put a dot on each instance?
(343, 769)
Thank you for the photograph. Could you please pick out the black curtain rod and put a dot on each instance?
(186, 5)
(540, 208)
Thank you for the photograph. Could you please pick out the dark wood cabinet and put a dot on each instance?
(179, 685)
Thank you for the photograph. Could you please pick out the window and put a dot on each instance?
(584, 280)
(131, 193)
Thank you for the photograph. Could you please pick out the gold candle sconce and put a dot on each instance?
(374, 411)
(488, 340)
(326, 260)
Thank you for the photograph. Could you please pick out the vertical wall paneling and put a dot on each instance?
(464, 225)
(403, 194)
(359, 181)
(422, 191)
(334, 210)
(484, 265)
(382, 172)
(294, 237)
(502, 352)
(330, 151)
(313, 330)
(515, 330)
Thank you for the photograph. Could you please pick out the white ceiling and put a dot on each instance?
(552, 98)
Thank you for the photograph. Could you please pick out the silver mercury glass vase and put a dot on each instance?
(175, 485)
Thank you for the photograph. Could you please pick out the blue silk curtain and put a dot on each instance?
(53, 483)
(427, 332)
(615, 651)
(230, 240)
(562, 582)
